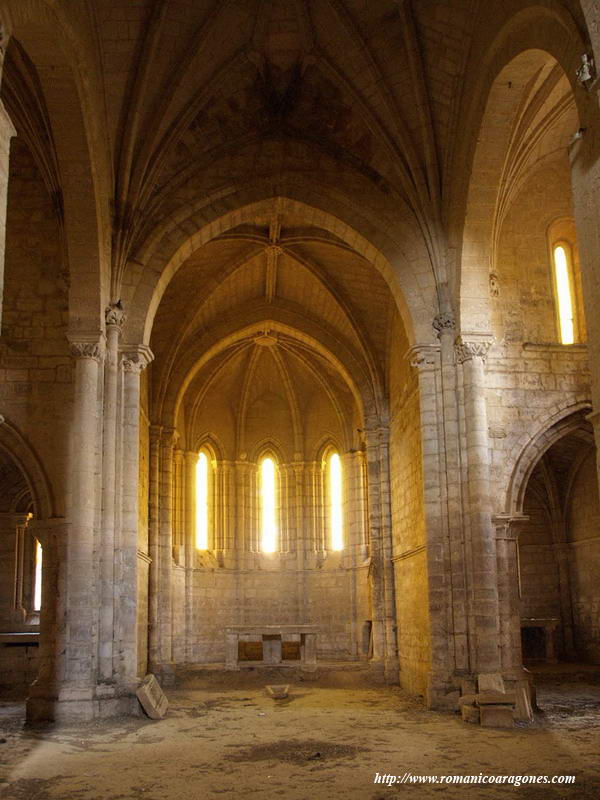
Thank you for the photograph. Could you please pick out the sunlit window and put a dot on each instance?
(564, 295)
(202, 479)
(37, 577)
(335, 495)
(268, 496)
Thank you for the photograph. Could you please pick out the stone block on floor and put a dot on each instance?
(523, 707)
(152, 698)
(490, 682)
(496, 716)
(495, 698)
(470, 713)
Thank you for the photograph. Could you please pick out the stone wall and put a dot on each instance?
(35, 367)
(540, 587)
(266, 402)
(524, 310)
(531, 377)
(18, 666)
(275, 593)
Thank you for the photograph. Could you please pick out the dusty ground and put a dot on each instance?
(328, 739)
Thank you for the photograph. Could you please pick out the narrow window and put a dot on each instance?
(335, 496)
(268, 496)
(202, 502)
(37, 577)
(564, 294)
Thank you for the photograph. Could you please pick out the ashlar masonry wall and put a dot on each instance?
(532, 379)
(35, 366)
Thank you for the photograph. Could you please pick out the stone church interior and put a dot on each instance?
(299, 391)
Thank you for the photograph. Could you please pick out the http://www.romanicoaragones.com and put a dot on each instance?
(469, 780)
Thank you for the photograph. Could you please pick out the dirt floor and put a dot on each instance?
(227, 738)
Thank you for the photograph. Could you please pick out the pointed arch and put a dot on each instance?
(403, 263)
(501, 62)
(68, 75)
(20, 451)
(557, 424)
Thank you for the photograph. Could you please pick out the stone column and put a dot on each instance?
(43, 693)
(190, 462)
(430, 361)
(471, 354)
(507, 532)
(134, 360)
(178, 496)
(247, 532)
(154, 548)
(7, 131)
(451, 524)
(178, 555)
(114, 317)
(297, 475)
(313, 503)
(562, 551)
(224, 496)
(354, 553)
(78, 679)
(381, 572)
(165, 557)
(354, 507)
(14, 607)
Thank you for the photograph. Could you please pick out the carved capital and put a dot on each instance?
(423, 356)
(508, 526)
(115, 315)
(376, 434)
(472, 347)
(191, 457)
(169, 437)
(136, 358)
(444, 323)
(155, 434)
(87, 348)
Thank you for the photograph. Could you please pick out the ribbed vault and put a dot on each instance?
(284, 273)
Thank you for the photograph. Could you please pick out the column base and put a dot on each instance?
(81, 704)
(391, 671)
(442, 692)
(377, 671)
